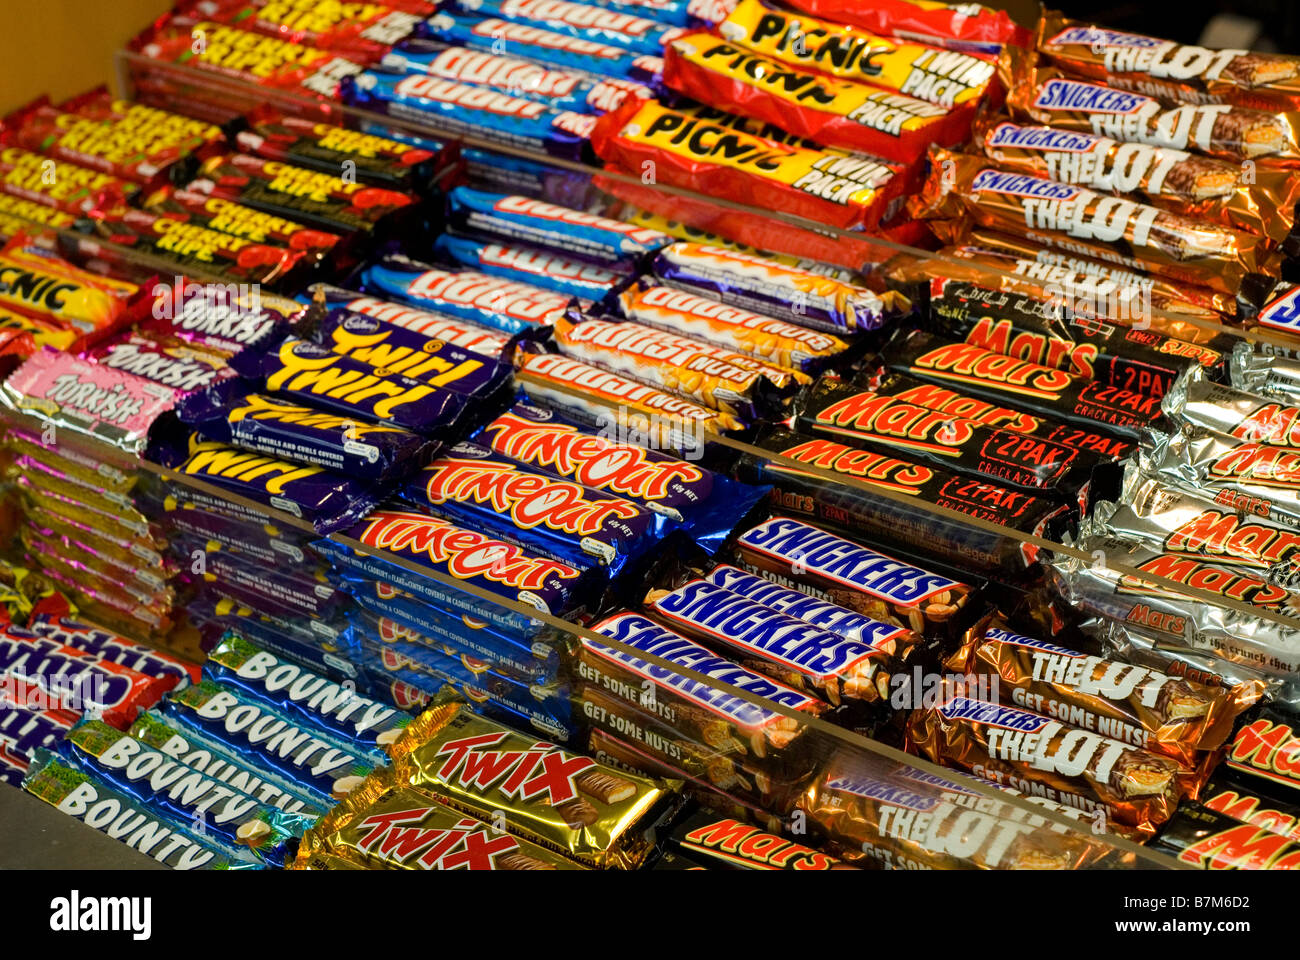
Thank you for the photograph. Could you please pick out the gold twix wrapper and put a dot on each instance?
(564, 801)
(385, 826)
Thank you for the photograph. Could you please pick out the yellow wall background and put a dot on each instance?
(62, 47)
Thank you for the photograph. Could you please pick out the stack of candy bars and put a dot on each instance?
(58, 672)
(225, 772)
(786, 459)
(261, 205)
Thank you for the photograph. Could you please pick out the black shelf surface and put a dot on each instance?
(35, 836)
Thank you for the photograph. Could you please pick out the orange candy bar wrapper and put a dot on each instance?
(700, 221)
(1081, 220)
(1261, 201)
(902, 819)
(955, 81)
(839, 113)
(1045, 95)
(596, 396)
(672, 363)
(1169, 70)
(1092, 287)
(1030, 751)
(1178, 718)
(965, 26)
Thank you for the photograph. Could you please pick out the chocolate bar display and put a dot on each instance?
(1079, 767)
(842, 506)
(1049, 392)
(737, 415)
(1079, 219)
(1052, 461)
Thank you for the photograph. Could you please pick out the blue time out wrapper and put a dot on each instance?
(472, 486)
(584, 22)
(397, 350)
(708, 505)
(461, 108)
(236, 822)
(547, 701)
(584, 236)
(466, 294)
(504, 569)
(327, 500)
(536, 659)
(305, 372)
(529, 265)
(565, 90)
(306, 697)
(290, 431)
(296, 752)
(504, 36)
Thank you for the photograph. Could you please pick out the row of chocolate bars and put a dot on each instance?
(821, 112)
(891, 613)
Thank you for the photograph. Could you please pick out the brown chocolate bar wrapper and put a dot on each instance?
(1261, 202)
(1081, 220)
(903, 820)
(384, 826)
(1169, 70)
(1019, 325)
(1097, 439)
(1046, 95)
(1030, 461)
(561, 800)
(856, 511)
(756, 736)
(718, 767)
(1028, 751)
(1047, 392)
(1135, 705)
(632, 757)
(1082, 287)
(886, 589)
(725, 842)
(1265, 752)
